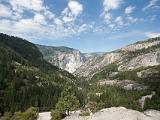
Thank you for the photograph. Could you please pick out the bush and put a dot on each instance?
(84, 113)
(7, 116)
(93, 106)
(104, 72)
(56, 115)
(29, 114)
(18, 116)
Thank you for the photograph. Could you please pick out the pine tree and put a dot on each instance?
(68, 101)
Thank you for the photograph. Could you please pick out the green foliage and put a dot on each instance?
(153, 103)
(93, 106)
(84, 113)
(18, 116)
(153, 81)
(127, 75)
(25, 77)
(132, 54)
(49, 50)
(7, 116)
(149, 40)
(56, 115)
(68, 101)
(105, 72)
(114, 96)
(29, 114)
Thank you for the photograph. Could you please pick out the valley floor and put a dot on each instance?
(113, 113)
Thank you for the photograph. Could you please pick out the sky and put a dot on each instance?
(87, 25)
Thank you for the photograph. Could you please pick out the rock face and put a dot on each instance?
(125, 84)
(87, 64)
(66, 58)
(141, 45)
(143, 99)
(149, 59)
(147, 72)
(113, 113)
(117, 113)
(140, 54)
(96, 63)
(68, 61)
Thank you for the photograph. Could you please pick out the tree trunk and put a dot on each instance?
(2, 113)
(68, 112)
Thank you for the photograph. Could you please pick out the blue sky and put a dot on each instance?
(87, 25)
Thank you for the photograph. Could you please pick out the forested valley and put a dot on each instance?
(29, 84)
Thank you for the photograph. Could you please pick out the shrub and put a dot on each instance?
(18, 116)
(84, 113)
(56, 115)
(7, 116)
(30, 114)
(93, 106)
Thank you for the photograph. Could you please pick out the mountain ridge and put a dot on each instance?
(74, 61)
(25, 77)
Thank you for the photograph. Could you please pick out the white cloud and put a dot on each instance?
(132, 19)
(30, 29)
(44, 24)
(151, 34)
(75, 7)
(25, 25)
(112, 25)
(49, 14)
(111, 4)
(72, 11)
(5, 11)
(152, 4)
(82, 28)
(20, 5)
(124, 35)
(58, 22)
(108, 6)
(35, 29)
(108, 18)
(153, 18)
(39, 18)
(68, 19)
(113, 22)
(6, 25)
(119, 20)
(130, 34)
(129, 9)
(67, 16)
(33, 6)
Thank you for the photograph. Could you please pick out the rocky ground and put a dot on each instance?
(117, 113)
(126, 84)
(113, 113)
(142, 100)
(44, 116)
